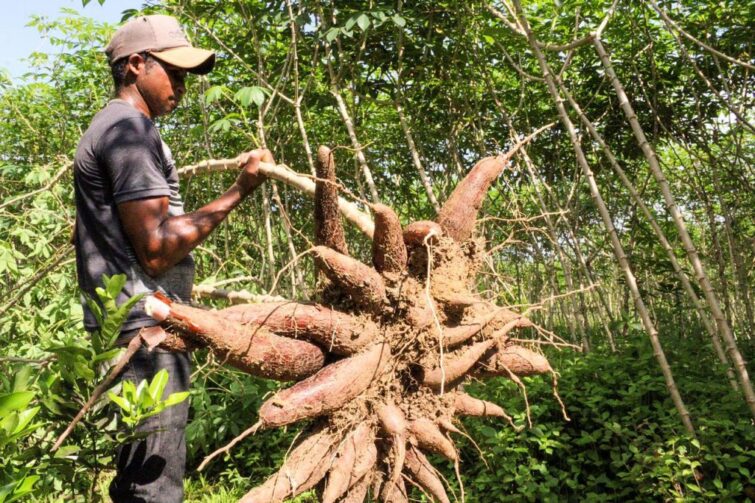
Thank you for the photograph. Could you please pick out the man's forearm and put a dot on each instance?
(161, 241)
(178, 235)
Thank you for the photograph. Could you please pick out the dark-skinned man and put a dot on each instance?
(130, 220)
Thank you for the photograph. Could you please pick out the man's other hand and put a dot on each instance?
(250, 177)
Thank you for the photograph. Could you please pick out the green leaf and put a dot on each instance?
(332, 34)
(107, 355)
(95, 308)
(258, 95)
(23, 488)
(157, 386)
(15, 401)
(67, 450)
(21, 379)
(9, 423)
(6, 490)
(213, 94)
(220, 125)
(24, 418)
(363, 21)
(244, 95)
(153, 412)
(112, 326)
(141, 388)
(122, 402)
(398, 20)
(114, 284)
(129, 391)
(176, 398)
(251, 94)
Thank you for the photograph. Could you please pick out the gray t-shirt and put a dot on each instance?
(120, 158)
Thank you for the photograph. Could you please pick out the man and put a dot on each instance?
(130, 220)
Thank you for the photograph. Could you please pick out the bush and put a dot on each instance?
(624, 441)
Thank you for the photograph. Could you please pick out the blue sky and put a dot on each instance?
(18, 41)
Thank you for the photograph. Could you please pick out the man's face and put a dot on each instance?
(161, 85)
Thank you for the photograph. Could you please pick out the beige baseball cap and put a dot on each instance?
(161, 36)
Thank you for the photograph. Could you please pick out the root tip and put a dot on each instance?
(156, 308)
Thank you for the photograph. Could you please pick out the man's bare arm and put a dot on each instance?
(161, 241)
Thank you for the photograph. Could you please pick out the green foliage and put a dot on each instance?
(66, 379)
(16, 478)
(110, 316)
(138, 402)
(623, 442)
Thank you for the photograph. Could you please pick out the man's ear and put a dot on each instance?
(136, 64)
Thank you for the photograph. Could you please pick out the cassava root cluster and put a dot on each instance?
(379, 361)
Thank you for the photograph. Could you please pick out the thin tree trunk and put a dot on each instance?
(297, 93)
(680, 274)
(268, 237)
(726, 334)
(402, 119)
(562, 256)
(554, 288)
(737, 111)
(598, 293)
(415, 158)
(346, 118)
(606, 217)
(552, 233)
(740, 273)
(295, 272)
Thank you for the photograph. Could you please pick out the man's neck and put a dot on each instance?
(131, 96)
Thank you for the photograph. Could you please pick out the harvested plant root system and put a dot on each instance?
(378, 362)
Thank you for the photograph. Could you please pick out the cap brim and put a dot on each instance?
(191, 59)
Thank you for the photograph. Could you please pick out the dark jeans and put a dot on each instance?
(152, 469)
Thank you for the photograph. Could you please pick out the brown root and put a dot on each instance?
(447, 425)
(460, 334)
(328, 227)
(395, 493)
(425, 475)
(392, 419)
(302, 470)
(458, 215)
(362, 283)
(339, 333)
(459, 301)
(329, 389)
(466, 405)
(394, 423)
(420, 315)
(429, 437)
(455, 366)
(342, 472)
(180, 344)
(388, 248)
(416, 232)
(398, 449)
(366, 460)
(515, 360)
(358, 491)
(252, 349)
(404, 331)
